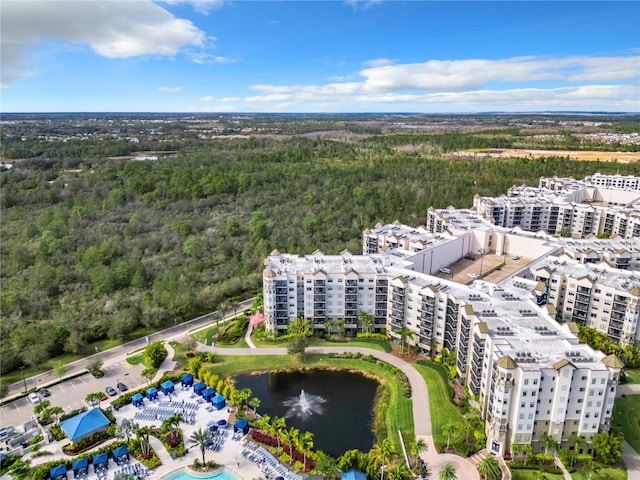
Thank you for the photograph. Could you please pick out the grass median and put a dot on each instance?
(626, 416)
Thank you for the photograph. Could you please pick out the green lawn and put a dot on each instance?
(604, 473)
(633, 375)
(443, 411)
(372, 343)
(626, 415)
(398, 414)
(521, 474)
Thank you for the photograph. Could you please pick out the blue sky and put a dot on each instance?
(319, 56)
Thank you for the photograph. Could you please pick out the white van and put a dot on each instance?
(445, 270)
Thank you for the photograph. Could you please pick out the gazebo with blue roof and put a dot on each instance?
(84, 425)
(152, 393)
(199, 387)
(59, 472)
(219, 402)
(242, 425)
(167, 387)
(137, 400)
(120, 454)
(186, 380)
(80, 467)
(208, 394)
(353, 474)
(100, 461)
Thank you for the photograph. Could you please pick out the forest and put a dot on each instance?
(100, 248)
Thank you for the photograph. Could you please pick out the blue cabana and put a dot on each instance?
(137, 400)
(186, 380)
(199, 387)
(353, 474)
(120, 454)
(100, 462)
(152, 393)
(56, 473)
(222, 422)
(219, 402)
(167, 387)
(80, 466)
(84, 424)
(242, 425)
(213, 428)
(208, 394)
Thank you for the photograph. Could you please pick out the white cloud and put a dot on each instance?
(536, 83)
(112, 29)
(210, 98)
(200, 57)
(362, 4)
(170, 89)
(378, 62)
(203, 7)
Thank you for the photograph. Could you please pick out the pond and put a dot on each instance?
(336, 406)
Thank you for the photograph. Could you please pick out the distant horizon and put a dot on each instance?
(416, 114)
(331, 56)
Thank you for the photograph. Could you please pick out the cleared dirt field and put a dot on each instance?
(622, 157)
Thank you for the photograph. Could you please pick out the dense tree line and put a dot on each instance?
(113, 247)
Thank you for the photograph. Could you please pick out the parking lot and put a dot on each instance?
(70, 394)
(466, 270)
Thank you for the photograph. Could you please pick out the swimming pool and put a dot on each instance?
(223, 474)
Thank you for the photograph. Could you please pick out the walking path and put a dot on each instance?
(420, 400)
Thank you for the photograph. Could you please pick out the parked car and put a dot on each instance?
(111, 391)
(469, 257)
(34, 398)
(516, 257)
(93, 402)
(472, 275)
(44, 392)
(445, 270)
(122, 387)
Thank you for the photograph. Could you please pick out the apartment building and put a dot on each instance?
(628, 182)
(531, 375)
(592, 294)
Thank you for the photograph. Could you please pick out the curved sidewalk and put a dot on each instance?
(419, 395)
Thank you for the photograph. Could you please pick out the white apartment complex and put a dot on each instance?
(530, 373)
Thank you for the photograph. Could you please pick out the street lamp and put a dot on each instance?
(23, 379)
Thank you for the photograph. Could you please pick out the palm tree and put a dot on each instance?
(405, 334)
(20, 469)
(447, 472)
(328, 325)
(291, 437)
(417, 447)
(305, 443)
(528, 451)
(41, 407)
(278, 425)
(578, 443)
(382, 453)
(233, 305)
(254, 403)
(125, 429)
(515, 449)
(55, 411)
(263, 423)
(449, 429)
(400, 472)
(199, 438)
(340, 326)
(367, 320)
(549, 442)
(490, 468)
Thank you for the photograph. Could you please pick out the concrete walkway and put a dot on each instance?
(419, 395)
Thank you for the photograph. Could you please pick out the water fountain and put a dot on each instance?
(304, 405)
